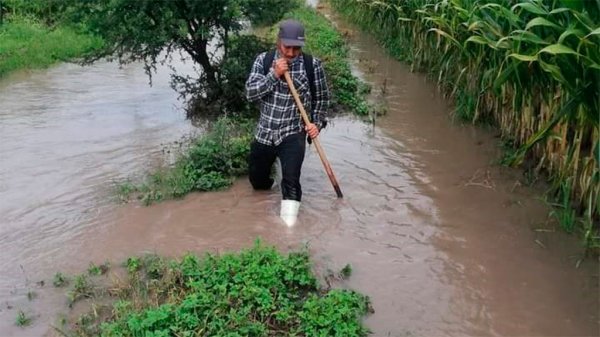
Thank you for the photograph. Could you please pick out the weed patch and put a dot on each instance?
(22, 319)
(257, 292)
(211, 163)
(60, 280)
(27, 44)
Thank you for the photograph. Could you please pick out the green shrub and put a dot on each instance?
(212, 163)
(257, 292)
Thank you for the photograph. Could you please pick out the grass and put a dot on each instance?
(27, 44)
(256, 292)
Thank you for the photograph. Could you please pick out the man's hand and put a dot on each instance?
(312, 130)
(281, 66)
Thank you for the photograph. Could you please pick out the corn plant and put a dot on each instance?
(530, 66)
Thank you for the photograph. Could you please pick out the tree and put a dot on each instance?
(146, 30)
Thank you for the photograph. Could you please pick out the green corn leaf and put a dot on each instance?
(526, 36)
(503, 43)
(540, 22)
(474, 25)
(506, 13)
(559, 10)
(477, 39)
(530, 7)
(502, 77)
(570, 31)
(554, 71)
(544, 132)
(585, 20)
(557, 48)
(524, 58)
(594, 32)
(443, 33)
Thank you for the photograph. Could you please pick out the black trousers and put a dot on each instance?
(291, 155)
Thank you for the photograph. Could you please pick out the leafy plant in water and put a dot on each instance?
(211, 163)
(82, 288)
(346, 271)
(60, 280)
(258, 292)
(95, 270)
(133, 264)
(22, 319)
(31, 295)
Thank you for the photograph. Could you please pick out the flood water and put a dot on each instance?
(444, 241)
(67, 134)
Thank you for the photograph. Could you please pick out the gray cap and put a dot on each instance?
(291, 33)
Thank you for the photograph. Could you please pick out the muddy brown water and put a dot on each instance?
(444, 241)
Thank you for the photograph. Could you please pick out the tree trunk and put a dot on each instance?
(213, 91)
(204, 60)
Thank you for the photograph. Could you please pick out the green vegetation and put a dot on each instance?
(22, 319)
(48, 12)
(82, 288)
(346, 271)
(102, 269)
(60, 280)
(532, 67)
(154, 31)
(27, 44)
(211, 163)
(257, 292)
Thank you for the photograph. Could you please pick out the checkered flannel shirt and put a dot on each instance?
(279, 116)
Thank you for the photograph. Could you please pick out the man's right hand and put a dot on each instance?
(281, 66)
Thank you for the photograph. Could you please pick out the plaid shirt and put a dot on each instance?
(279, 115)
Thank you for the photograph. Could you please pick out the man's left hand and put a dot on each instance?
(312, 130)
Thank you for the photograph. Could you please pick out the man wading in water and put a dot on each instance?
(280, 131)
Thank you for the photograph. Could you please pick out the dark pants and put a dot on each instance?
(291, 156)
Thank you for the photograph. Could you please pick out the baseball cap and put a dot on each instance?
(291, 33)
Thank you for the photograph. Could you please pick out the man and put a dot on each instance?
(280, 132)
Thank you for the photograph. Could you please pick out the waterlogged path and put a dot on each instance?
(443, 241)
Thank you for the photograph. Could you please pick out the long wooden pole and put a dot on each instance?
(320, 150)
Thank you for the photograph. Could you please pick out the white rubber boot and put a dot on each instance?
(289, 211)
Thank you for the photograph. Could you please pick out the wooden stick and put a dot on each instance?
(315, 140)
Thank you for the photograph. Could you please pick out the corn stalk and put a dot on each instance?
(531, 66)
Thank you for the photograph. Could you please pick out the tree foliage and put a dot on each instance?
(153, 30)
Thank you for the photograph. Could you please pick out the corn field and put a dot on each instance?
(530, 67)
